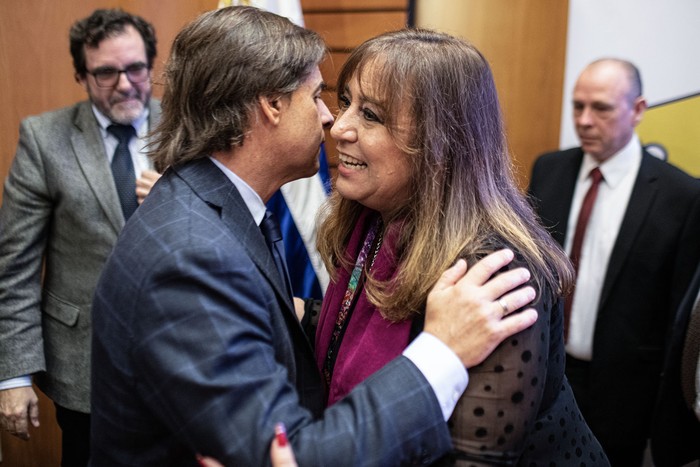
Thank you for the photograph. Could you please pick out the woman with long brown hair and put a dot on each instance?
(424, 179)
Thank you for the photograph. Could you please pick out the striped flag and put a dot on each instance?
(297, 203)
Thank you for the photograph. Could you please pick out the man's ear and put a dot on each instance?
(81, 80)
(271, 108)
(640, 106)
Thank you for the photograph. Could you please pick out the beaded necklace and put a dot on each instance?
(375, 232)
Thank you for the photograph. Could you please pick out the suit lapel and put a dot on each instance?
(552, 189)
(212, 185)
(153, 120)
(562, 207)
(89, 150)
(643, 194)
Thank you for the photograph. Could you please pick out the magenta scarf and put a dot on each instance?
(370, 341)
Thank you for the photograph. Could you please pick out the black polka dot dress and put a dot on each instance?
(518, 408)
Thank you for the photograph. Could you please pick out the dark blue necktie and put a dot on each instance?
(273, 236)
(123, 169)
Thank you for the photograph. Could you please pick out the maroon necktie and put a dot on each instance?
(581, 225)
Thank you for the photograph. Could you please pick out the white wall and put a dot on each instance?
(661, 37)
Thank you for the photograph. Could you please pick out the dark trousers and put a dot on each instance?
(620, 452)
(75, 437)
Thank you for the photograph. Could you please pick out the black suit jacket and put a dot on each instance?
(652, 262)
(196, 349)
(675, 428)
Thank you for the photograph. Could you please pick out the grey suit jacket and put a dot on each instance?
(60, 211)
(196, 348)
(650, 268)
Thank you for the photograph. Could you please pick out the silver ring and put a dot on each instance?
(504, 305)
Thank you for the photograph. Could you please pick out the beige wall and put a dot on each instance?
(525, 43)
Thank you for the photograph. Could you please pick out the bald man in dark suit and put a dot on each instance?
(635, 260)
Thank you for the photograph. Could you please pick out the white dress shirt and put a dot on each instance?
(137, 146)
(619, 174)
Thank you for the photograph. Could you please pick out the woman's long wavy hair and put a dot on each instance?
(464, 201)
(219, 65)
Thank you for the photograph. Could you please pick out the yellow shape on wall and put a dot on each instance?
(675, 125)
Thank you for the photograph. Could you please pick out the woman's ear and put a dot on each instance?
(271, 108)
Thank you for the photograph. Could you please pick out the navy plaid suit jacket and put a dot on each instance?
(196, 349)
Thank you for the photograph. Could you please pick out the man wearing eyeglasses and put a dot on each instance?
(77, 176)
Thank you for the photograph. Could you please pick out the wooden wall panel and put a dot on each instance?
(345, 30)
(525, 43)
(348, 5)
(331, 67)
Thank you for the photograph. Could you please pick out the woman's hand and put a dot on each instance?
(281, 452)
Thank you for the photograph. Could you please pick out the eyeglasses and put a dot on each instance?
(109, 77)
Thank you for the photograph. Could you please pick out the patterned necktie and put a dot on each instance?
(581, 226)
(123, 169)
(271, 231)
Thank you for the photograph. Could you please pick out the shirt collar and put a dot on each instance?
(251, 199)
(616, 167)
